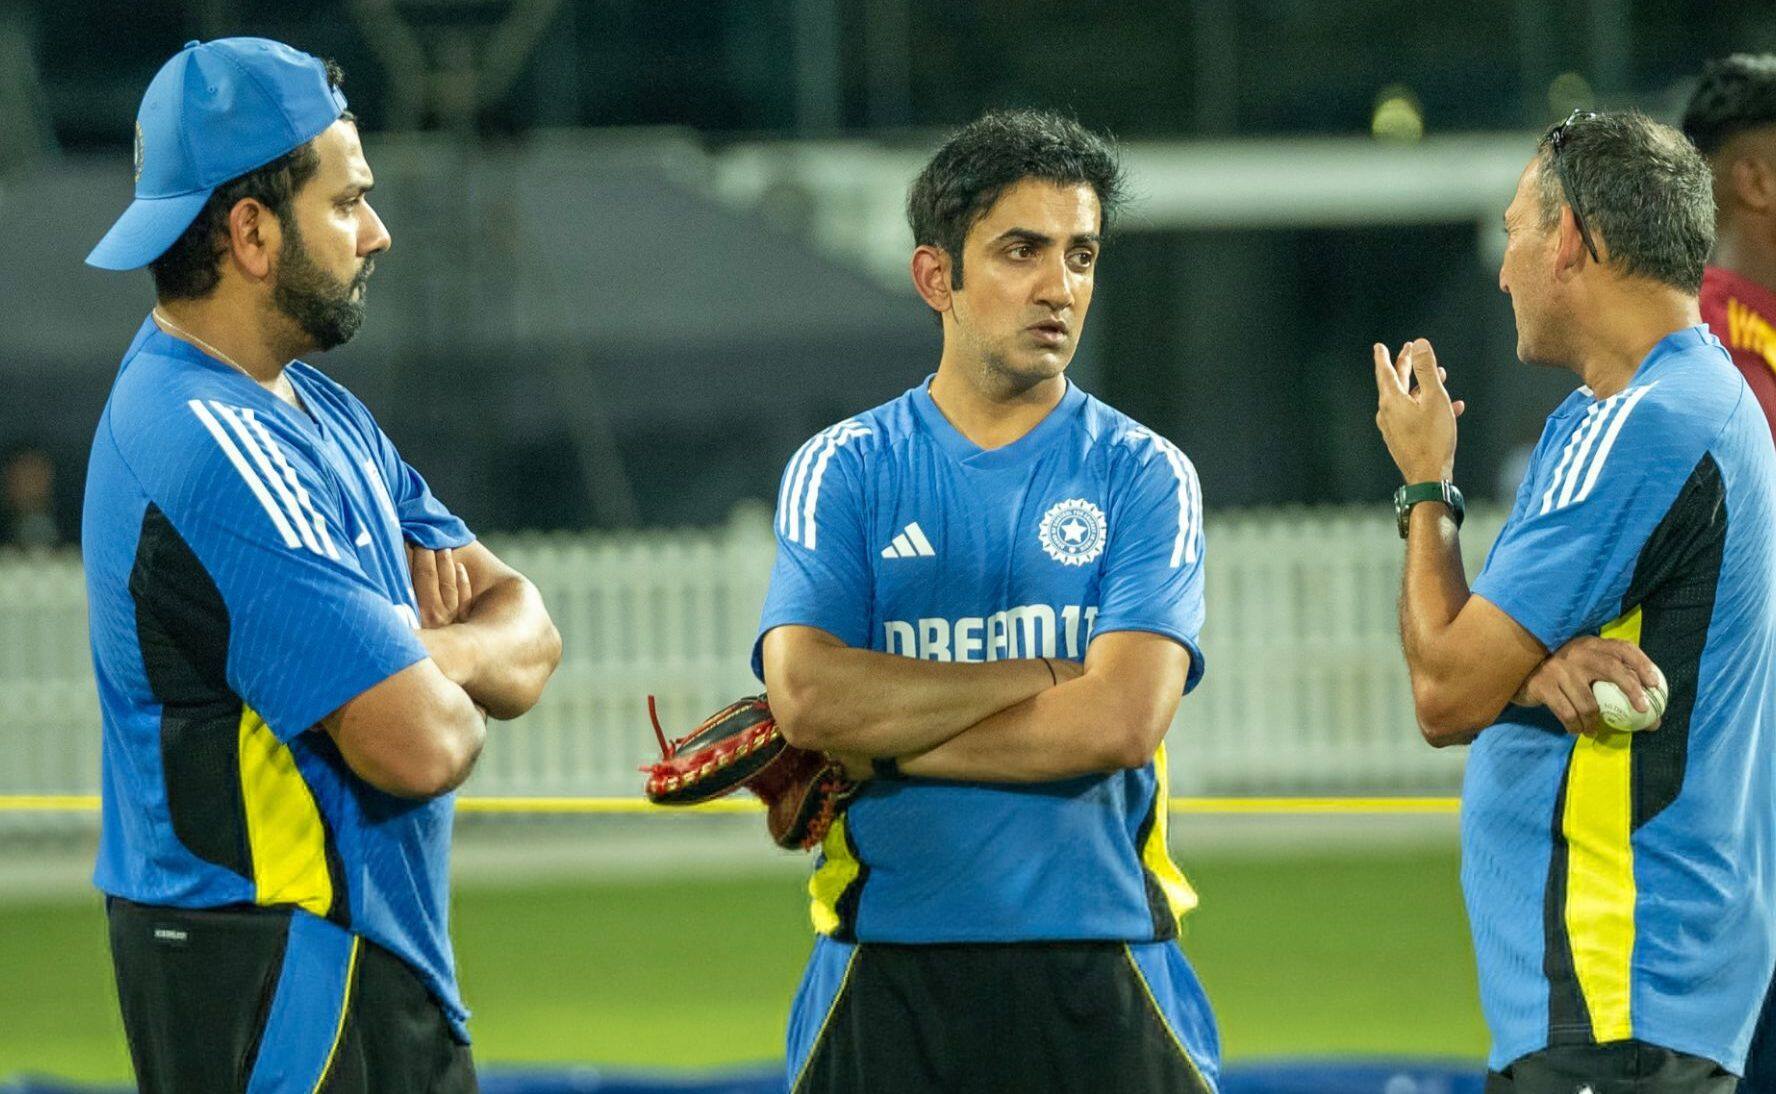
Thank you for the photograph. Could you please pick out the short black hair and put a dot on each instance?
(1640, 187)
(1736, 93)
(188, 270)
(991, 154)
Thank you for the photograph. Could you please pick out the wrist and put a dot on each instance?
(456, 650)
(1441, 472)
(1439, 496)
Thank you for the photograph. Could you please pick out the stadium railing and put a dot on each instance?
(1305, 693)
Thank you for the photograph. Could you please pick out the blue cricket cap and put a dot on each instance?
(214, 112)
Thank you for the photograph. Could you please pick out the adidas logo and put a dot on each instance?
(910, 544)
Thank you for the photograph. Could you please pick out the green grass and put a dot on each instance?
(1353, 954)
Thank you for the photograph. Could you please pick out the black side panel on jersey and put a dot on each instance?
(1674, 585)
(848, 900)
(182, 628)
(1165, 920)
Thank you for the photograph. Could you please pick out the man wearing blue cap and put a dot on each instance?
(296, 644)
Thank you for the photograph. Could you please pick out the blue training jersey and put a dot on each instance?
(896, 533)
(1621, 886)
(246, 577)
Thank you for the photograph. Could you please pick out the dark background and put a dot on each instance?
(571, 332)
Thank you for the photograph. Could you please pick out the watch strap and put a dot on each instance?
(1411, 494)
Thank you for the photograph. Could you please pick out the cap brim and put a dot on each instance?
(145, 230)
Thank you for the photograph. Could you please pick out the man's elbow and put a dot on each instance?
(439, 773)
(527, 689)
(1144, 731)
(548, 657)
(1447, 717)
(439, 759)
(795, 704)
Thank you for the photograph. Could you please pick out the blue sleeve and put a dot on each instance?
(1153, 565)
(822, 577)
(423, 518)
(308, 630)
(1563, 562)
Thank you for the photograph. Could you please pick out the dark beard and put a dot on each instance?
(327, 310)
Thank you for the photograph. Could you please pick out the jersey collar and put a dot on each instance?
(1684, 340)
(1018, 452)
(151, 339)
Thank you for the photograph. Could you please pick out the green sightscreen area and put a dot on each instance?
(1353, 954)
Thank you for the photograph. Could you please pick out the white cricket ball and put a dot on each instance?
(1619, 714)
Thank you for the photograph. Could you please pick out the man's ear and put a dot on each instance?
(254, 238)
(931, 276)
(1570, 254)
(1753, 183)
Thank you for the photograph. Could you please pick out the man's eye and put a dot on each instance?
(1021, 250)
(1083, 258)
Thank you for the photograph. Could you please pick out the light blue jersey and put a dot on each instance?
(1622, 886)
(895, 533)
(247, 576)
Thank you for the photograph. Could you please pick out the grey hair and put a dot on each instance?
(1639, 185)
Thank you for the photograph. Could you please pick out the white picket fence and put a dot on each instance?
(1305, 692)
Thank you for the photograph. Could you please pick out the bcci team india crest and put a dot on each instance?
(1073, 532)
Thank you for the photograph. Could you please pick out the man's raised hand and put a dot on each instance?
(1415, 413)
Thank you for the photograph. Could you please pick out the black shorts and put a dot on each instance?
(227, 999)
(1621, 1067)
(1092, 1017)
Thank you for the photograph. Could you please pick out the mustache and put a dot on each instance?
(363, 274)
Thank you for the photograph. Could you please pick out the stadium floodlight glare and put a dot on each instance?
(1567, 92)
(1398, 115)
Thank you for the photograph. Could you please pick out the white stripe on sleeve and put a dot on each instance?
(246, 472)
(791, 489)
(1609, 440)
(251, 447)
(1184, 546)
(1572, 443)
(850, 432)
(799, 481)
(1610, 406)
(295, 484)
(1193, 548)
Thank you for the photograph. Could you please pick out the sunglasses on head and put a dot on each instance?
(1556, 139)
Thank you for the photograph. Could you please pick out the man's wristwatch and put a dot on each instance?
(1408, 496)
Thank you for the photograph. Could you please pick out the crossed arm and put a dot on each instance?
(492, 648)
(1466, 656)
(487, 629)
(1002, 721)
